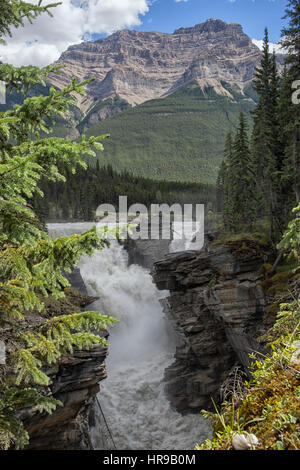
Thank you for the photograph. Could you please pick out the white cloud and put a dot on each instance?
(42, 42)
(273, 46)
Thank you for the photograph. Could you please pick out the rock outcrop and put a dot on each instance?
(217, 302)
(140, 66)
(75, 384)
(76, 281)
(145, 252)
(74, 381)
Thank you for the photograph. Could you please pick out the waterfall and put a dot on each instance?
(142, 346)
(184, 236)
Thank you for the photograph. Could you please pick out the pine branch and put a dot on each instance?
(13, 13)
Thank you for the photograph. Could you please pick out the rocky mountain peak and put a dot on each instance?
(212, 25)
(139, 66)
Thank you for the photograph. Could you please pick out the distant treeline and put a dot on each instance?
(81, 194)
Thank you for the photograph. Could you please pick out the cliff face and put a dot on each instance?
(218, 305)
(146, 252)
(75, 382)
(140, 66)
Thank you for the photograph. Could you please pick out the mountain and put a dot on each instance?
(167, 100)
(141, 66)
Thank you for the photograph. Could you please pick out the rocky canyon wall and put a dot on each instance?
(75, 382)
(218, 305)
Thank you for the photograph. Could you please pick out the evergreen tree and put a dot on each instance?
(286, 167)
(275, 142)
(241, 182)
(236, 181)
(31, 264)
(220, 186)
(224, 184)
(265, 148)
(291, 42)
(291, 37)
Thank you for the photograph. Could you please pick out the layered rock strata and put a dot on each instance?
(140, 66)
(74, 381)
(75, 384)
(218, 304)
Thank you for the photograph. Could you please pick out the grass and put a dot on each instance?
(258, 238)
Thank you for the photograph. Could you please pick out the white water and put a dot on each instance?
(142, 345)
(184, 236)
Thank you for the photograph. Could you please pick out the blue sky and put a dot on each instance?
(76, 20)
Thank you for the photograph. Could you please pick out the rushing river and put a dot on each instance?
(142, 345)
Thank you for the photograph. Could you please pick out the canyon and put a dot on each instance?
(217, 302)
(162, 368)
(201, 313)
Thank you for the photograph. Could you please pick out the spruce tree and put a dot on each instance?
(265, 148)
(291, 42)
(286, 167)
(241, 182)
(291, 37)
(236, 181)
(275, 142)
(224, 195)
(32, 264)
(220, 186)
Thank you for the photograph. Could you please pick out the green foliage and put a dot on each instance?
(31, 264)
(290, 41)
(13, 13)
(11, 399)
(290, 36)
(236, 181)
(81, 194)
(256, 241)
(270, 185)
(270, 410)
(265, 141)
(56, 337)
(24, 164)
(290, 242)
(271, 407)
(176, 138)
(36, 270)
(288, 320)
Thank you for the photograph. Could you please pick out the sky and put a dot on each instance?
(76, 20)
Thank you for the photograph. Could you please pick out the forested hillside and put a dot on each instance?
(177, 138)
(81, 194)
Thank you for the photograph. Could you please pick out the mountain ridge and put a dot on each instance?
(167, 100)
(140, 66)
